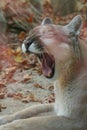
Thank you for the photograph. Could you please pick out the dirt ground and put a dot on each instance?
(22, 95)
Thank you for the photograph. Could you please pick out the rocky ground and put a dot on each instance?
(30, 89)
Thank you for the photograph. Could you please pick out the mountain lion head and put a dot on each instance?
(55, 45)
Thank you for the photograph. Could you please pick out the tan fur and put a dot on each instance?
(68, 74)
(69, 112)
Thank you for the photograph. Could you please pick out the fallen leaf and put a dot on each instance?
(25, 64)
(18, 58)
(30, 19)
(10, 95)
(32, 60)
(51, 88)
(49, 99)
(15, 95)
(3, 88)
(18, 96)
(22, 36)
(2, 85)
(30, 98)
(38, 69)
(26, 78)
(37, 85)
(26, 100)
(2, 107)
(33, 98)
(2, 95)
(10, 69)
(8, 74)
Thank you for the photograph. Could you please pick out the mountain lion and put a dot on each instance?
(63, 55)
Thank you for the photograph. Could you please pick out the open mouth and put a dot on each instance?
(47, 60)
(48, 65)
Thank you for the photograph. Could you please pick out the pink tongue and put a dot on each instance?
(45, 67)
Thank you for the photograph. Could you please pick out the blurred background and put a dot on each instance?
(20, 77)
(22, 15)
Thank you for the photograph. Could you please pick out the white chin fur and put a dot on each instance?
(23, 48)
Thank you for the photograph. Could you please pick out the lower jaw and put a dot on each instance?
(51, 75)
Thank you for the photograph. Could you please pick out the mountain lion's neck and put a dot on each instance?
(71, 91)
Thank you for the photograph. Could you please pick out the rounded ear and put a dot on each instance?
(75, 25)
(47, 20)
